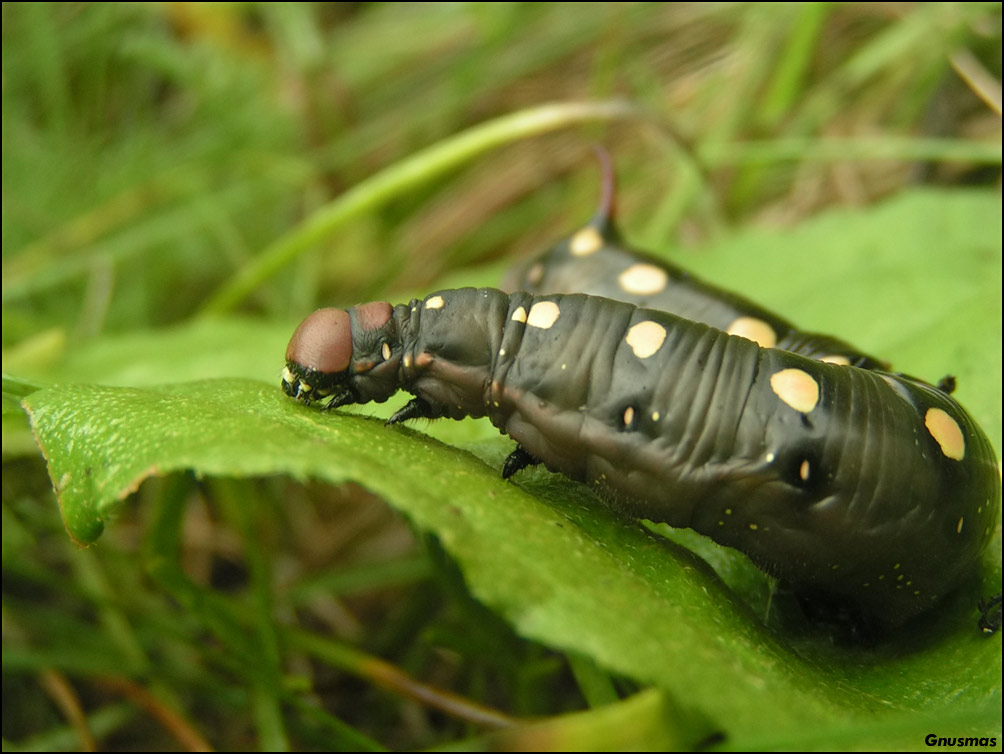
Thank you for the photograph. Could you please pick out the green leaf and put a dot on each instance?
(917, 280)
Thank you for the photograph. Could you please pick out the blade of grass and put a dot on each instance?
(837, 150)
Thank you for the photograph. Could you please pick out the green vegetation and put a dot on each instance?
(183, 182)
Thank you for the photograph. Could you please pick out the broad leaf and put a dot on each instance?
(917, 280)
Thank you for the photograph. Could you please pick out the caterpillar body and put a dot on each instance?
(596, 260)
(870, 489)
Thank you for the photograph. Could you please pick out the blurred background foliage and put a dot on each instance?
(152, 151)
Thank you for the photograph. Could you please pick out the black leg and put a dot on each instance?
(990, 614)
(947, 384)
(518, 460)
(416, 408)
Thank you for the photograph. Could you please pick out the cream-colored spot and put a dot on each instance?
(585, 242)
(501, 352)
(655, 416)
(407, 361)
(643, 279)
(836, 358)
(288, 376)
(435, 302)
(803, 471)
(385, 351)
(645, 338)
(628, 416)
(535, 274)
(564, 367)
(769, 458)
(796, 388)
(754, 329)
(519, 315)
(543, 314)
(945, 430)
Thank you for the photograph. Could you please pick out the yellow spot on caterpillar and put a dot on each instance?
(519, 315)
(645, 338)
(655, 416)
(958, 528)
(628, 416)
(642, 279)
(796, 388)
(407, 361)
(385, 351)
(287, 376)
(434, 302)
(836, 358)
(753, 527)
(587, 241)
(543, 314)
(803, 471)
(754, 329)
(946, 431)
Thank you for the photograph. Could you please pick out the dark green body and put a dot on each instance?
(854, 498)
(562, 270)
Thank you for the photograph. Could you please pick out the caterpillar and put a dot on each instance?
(860, 488)
(596, 260)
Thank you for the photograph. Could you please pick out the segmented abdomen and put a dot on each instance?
(854, 483)
(595, 260)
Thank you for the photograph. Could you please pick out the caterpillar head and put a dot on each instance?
(338, 356)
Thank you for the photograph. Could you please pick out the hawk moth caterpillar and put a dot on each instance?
(848, 482)
(867, 487)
